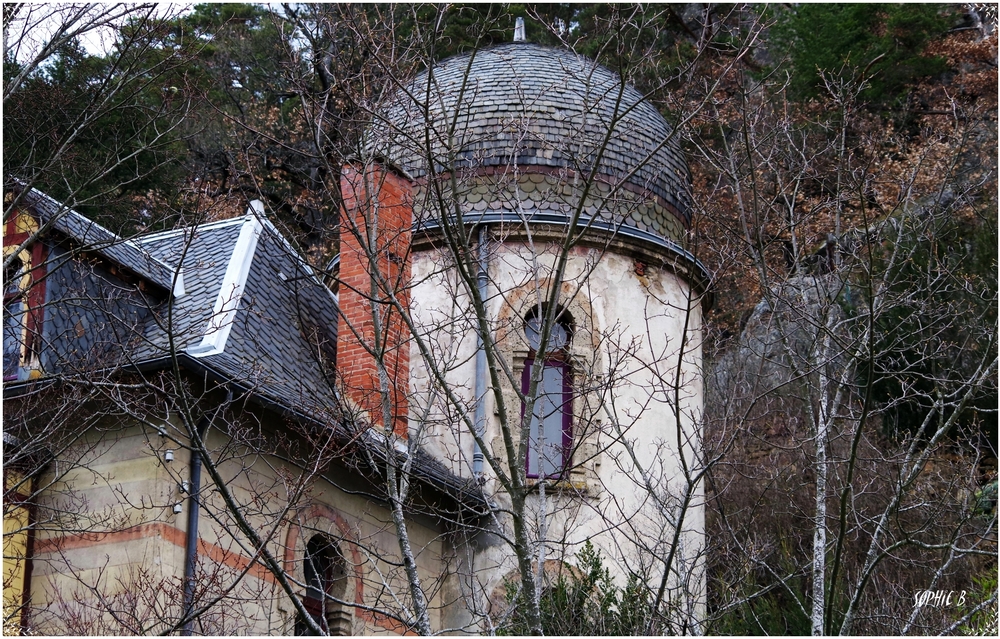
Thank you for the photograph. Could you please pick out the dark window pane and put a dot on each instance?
(557, 339)
(549, 429)
(13, 337)
(318, 568)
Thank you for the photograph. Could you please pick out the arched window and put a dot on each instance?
(550, 435)
(325, 573)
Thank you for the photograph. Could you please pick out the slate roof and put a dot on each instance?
(282, 336)
(285, 326)
(206, 251)
(534, 106)
(95, 237)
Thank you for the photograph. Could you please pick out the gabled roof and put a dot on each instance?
(95, 237)
(245, 305)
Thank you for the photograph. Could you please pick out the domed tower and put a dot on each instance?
(550, 115)
(557, 312)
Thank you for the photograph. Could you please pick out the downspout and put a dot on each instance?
(480, 415)
(191, 546)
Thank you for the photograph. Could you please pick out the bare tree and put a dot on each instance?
(852, 296)
(89, 327)
(507, 388)
(90, 137)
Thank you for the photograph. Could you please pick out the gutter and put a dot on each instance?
(191, 544)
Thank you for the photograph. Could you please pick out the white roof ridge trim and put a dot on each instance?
(231, 290)
(179, 290)
(140, 241)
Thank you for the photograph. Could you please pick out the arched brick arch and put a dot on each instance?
(311, 518)
(316, 519)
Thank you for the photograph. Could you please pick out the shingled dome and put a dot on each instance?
(546, 112)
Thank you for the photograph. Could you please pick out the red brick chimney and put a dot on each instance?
(375, 236)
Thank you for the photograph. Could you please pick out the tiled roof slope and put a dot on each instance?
(203, 253)
(282, 336)
(95, 237)
(283, 341)
(283, 333)
(534, 106)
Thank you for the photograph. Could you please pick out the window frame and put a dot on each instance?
(565, 409)
(30, 293)
(13, 295)
(553, 358)
(582, 353)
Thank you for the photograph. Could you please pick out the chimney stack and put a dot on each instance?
(375, 232)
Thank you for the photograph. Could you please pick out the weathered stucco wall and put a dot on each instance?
(116, 494)
(633, 325)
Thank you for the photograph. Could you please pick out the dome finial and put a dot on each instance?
(519, 30)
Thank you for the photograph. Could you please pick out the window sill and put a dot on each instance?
(576, 486)
(24, 373)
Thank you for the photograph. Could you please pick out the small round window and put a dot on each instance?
(558, 338)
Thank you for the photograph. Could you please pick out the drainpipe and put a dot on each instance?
(481, 284)
(191, 545)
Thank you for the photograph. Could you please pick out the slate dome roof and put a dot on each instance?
(544, 110)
